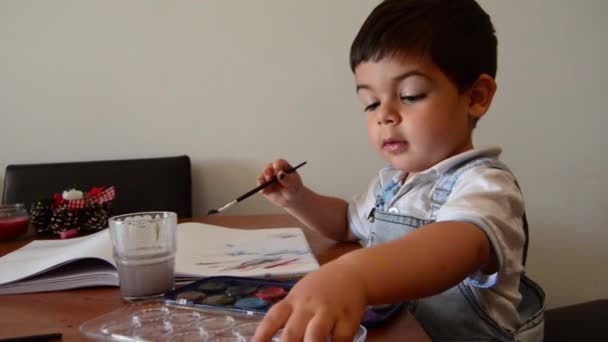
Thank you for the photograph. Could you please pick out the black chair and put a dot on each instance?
(578, 322)
(141, 184)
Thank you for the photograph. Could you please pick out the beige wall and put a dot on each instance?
(235, 84)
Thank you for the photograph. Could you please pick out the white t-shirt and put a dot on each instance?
(487, 197)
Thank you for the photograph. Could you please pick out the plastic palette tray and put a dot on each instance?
(184, 316)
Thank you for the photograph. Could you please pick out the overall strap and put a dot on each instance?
(444, 186)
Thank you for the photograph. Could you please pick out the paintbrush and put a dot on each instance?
(252, 191)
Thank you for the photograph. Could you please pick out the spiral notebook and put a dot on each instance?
(202, 251)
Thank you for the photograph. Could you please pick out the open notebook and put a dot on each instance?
(202, 251)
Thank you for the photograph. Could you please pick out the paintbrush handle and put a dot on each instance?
(266, 184)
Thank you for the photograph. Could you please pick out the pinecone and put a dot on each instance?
(63, 219)
(94, 216)
(40, 216)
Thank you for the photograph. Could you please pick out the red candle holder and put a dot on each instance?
(14, 221)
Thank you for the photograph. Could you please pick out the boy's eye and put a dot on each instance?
(372, 106)
(413, 98)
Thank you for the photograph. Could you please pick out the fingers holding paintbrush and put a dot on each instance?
(271, 182)
(278, 169)
(286, 183)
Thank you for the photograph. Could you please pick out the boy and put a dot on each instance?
(444, 223)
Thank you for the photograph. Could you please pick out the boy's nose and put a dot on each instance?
(388, 114)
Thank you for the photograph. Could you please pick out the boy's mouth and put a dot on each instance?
(394, 145)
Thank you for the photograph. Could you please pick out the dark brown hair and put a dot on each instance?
(457, 35)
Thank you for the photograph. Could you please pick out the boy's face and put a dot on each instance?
(416, 116)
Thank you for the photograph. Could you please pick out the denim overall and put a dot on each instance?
(455, 314)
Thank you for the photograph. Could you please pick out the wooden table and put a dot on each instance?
(64, 311)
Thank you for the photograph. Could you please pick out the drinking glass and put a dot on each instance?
(144, 246)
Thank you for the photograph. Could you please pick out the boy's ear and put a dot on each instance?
(481, 95)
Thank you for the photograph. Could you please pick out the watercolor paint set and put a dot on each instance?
(255, 296)
(220, 308)
(241, 295)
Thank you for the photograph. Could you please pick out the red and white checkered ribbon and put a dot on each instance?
(102, 197)
(76, 204)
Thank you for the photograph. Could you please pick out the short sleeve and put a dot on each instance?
(490, 199)
(359, 209)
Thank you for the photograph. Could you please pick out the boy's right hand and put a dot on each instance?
(286, 191)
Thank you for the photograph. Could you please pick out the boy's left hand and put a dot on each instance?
(329, 302)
